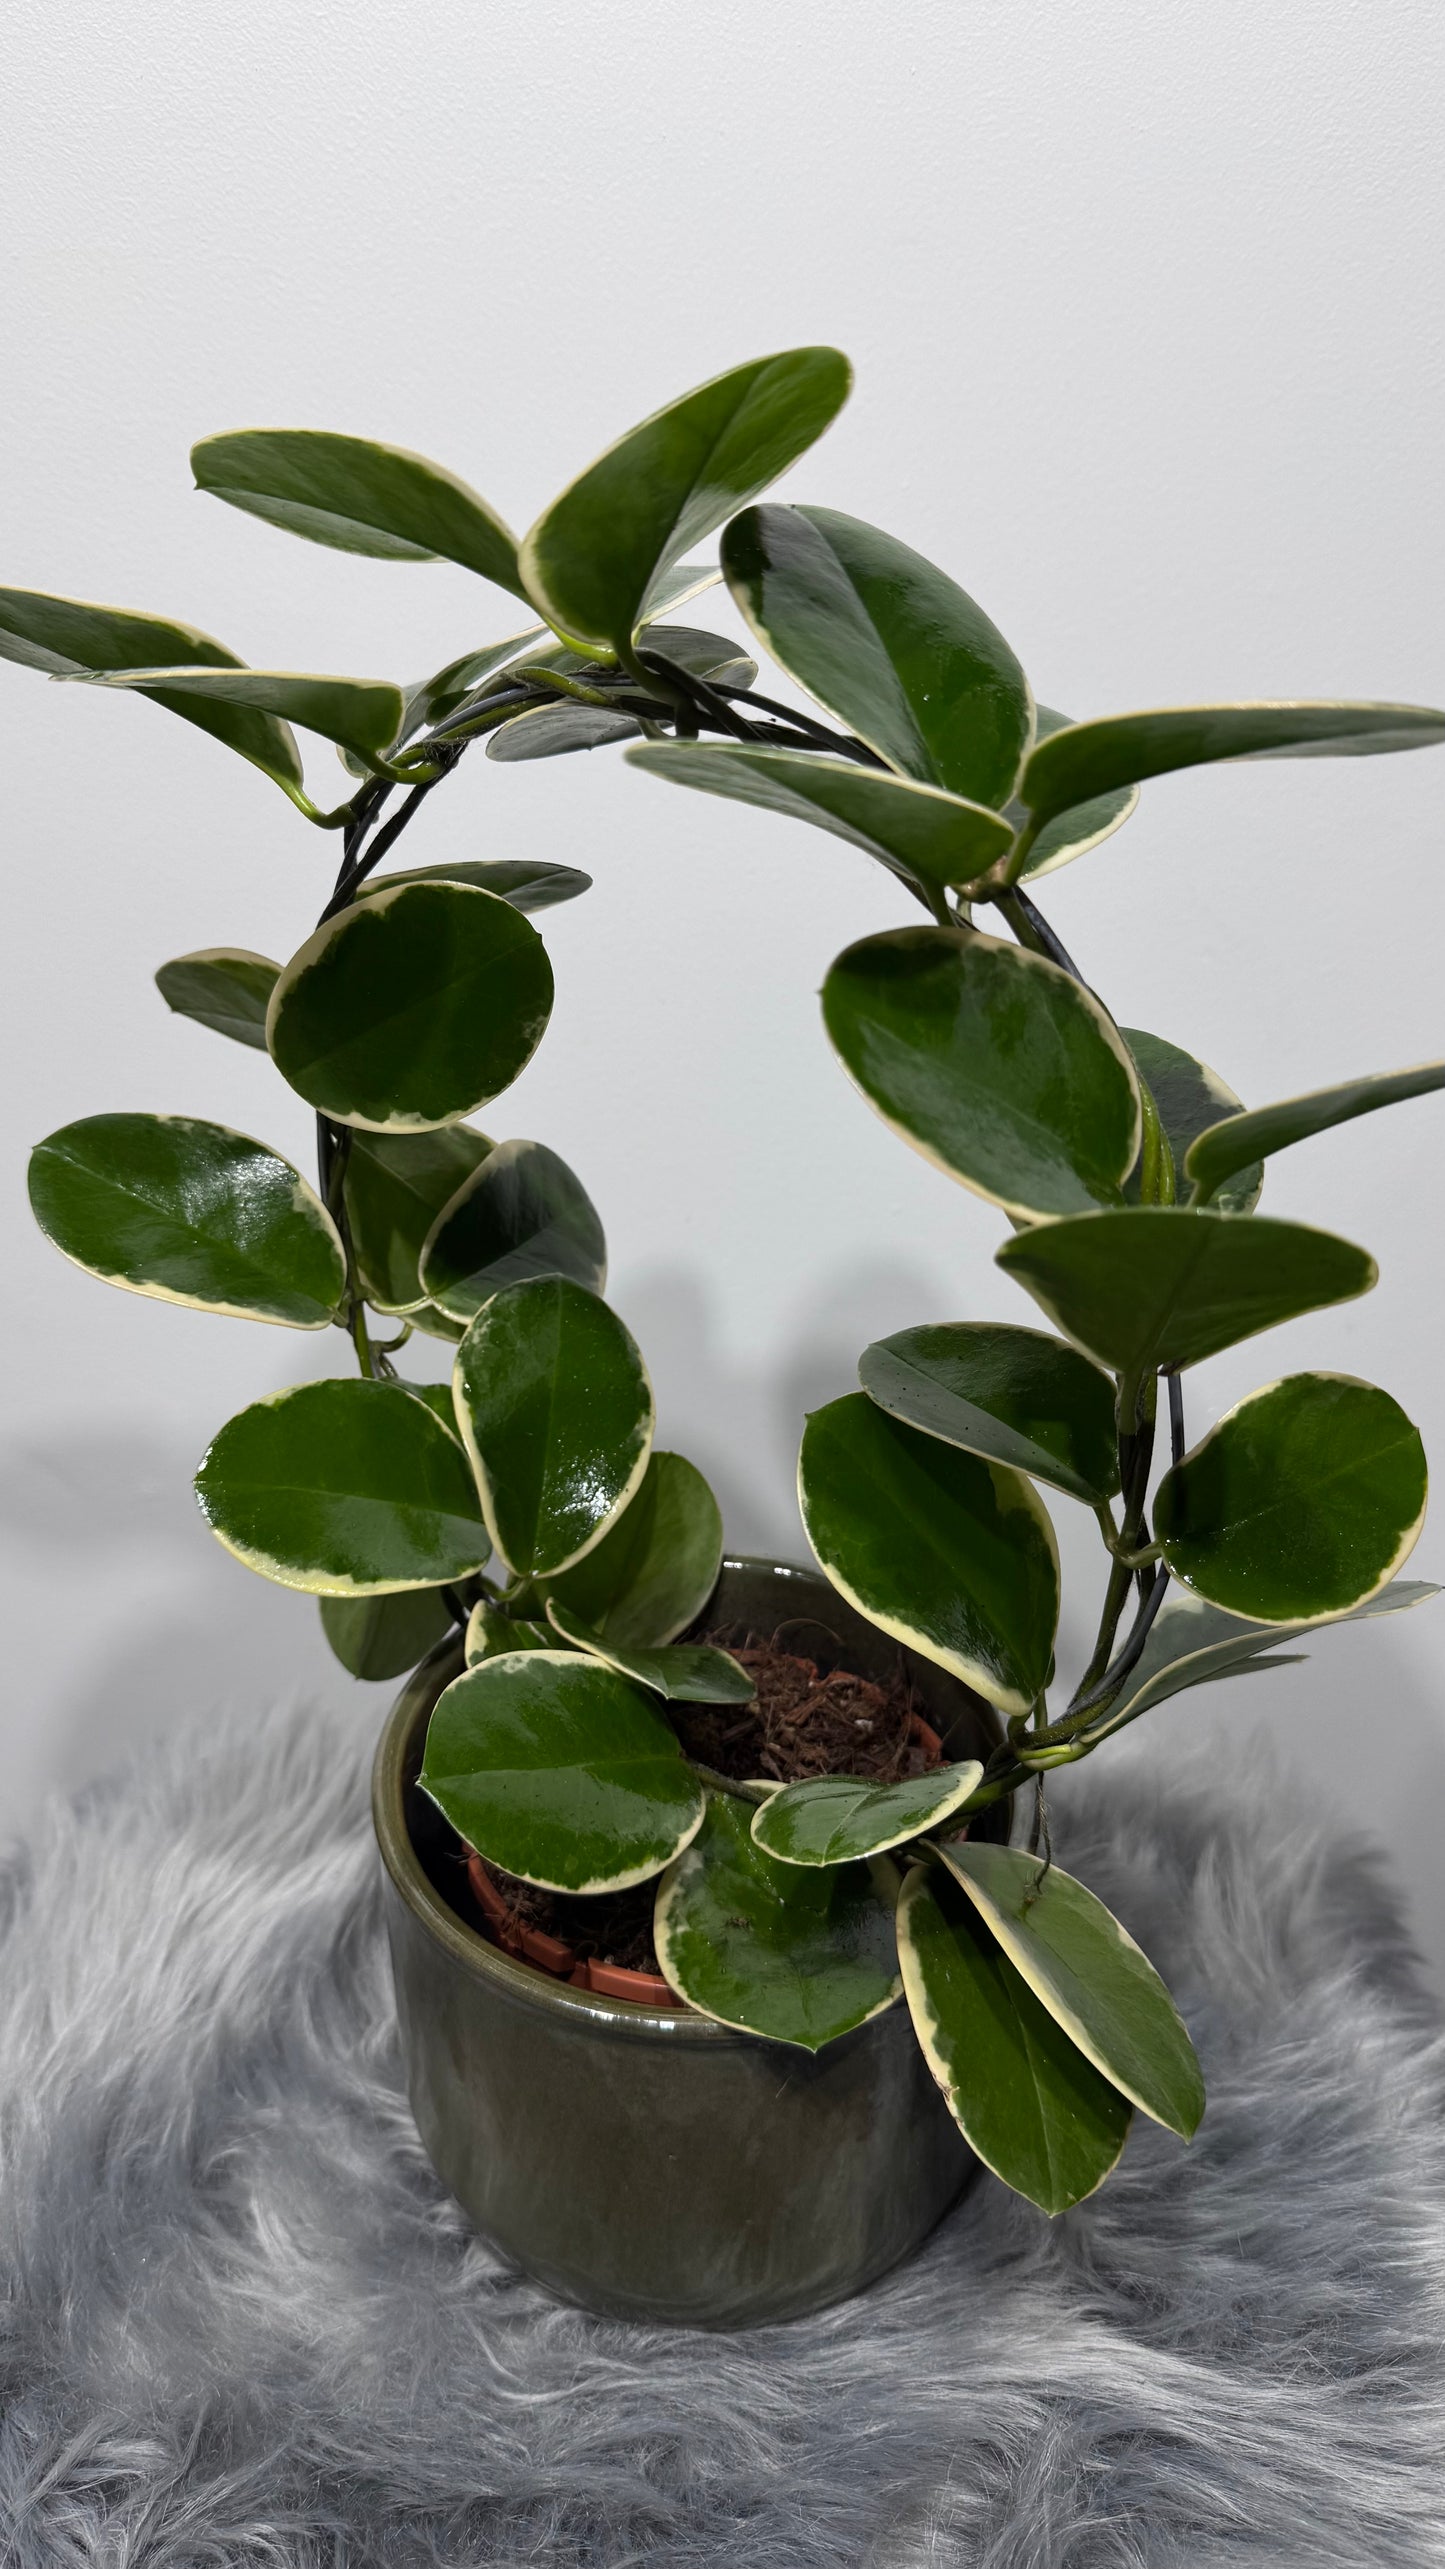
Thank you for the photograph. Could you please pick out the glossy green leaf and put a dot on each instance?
(72, 637)
(357, 495)
(912, 829)
(685, 1672)
(1192, 1642)
(952, 1555)
(837, 1819)
(343, 1488)
(437, 1397)
(521, 1213)
(559, 1771)
(1090, 1975)
(1082, 827)
(1215, 1153)
(691, 648)
(556, 1410)
(189, 1212)
(411, 1009)
(992, 1063)
(1304, 1500)
(1156, 1286)
(676, 587)
(223, 987)
(396, 1185)
(435, 1324)
(1124, 749)
(359, 714)
(1014, 1395)
(1190, 1097)
(526, 882)
(885, 641)
(1025, 2098)
(593, 561)
(378, 1637)
(656, 1566)
(713, 656)
(491, 1634)
(800, 1957)
(559, 729)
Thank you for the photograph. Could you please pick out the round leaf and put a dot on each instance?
(1156, 1286)
(396, 1185)
(1191, 1097)
(912, 829)
(362, 715)
(1124, 749)
(1082, 827)
(378, 1637)
(357, 495)
(1216, 1153)
(1304, 1500)
(1015, 1395)
(991, 1062)
(953, 1555)
(556, 730)
(435, 1324)
(72, 638)
(521, 1213)
(800, 1957)
(526, 883)
(713, 656)
(437, 1397)
(561, 1772)
(1091, 1976)
(594, 559)
(684, 1673)
(886, 642)
(556, 1410)
(655, 1567)
(1025, 2098)
(189, 1212)
(223, 987)
(412, 1009)
(343, 1488)
(836, 1819)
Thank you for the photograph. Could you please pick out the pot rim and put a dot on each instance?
(522, 1981)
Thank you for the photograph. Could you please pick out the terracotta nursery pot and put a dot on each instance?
(632, 2155)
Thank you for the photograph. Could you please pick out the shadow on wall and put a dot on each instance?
(739, 1418)
(123, 1615)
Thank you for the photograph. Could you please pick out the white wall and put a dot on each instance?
(1145, 307)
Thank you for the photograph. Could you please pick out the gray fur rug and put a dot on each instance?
(242, 2324)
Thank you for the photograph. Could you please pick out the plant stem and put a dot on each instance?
(841, 744)
(1032, 930)
(1176, 1418)
(716, 1783)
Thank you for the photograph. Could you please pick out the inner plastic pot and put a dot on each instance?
(647, 2162)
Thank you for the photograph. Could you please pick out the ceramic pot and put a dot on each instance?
(643, 2161)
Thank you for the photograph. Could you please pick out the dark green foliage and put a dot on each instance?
(524, 1503)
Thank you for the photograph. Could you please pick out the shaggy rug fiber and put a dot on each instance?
(243, 2325)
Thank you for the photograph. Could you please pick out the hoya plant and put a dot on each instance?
(526, 1505)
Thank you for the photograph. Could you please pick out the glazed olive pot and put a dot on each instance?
(644, 2162)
